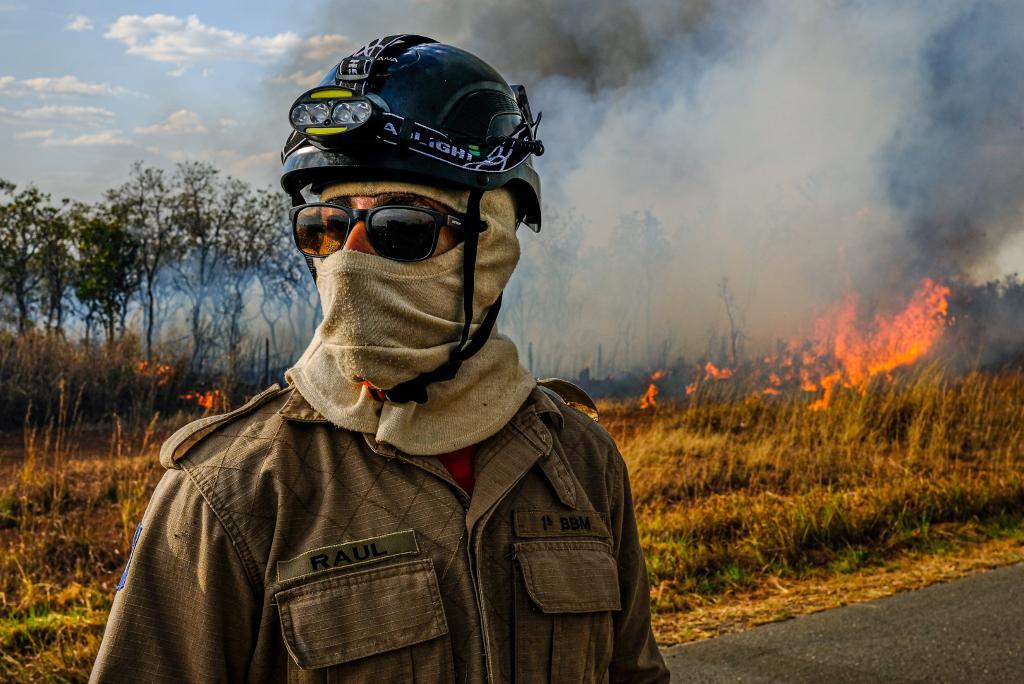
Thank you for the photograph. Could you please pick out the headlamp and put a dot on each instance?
(325, 112)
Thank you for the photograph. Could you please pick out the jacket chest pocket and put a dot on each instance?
(381, 625)
(564, 596)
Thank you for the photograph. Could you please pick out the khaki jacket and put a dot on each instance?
(280, 548)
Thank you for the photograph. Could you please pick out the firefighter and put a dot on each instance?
(413, 505)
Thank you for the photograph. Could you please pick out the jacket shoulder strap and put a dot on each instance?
(178, 444)
(570, 394)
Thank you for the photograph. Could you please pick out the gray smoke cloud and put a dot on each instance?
(790, 150)
(957, 174)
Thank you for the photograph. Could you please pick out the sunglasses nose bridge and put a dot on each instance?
(358, 239)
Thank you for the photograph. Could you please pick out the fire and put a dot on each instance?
(163, 372)
(891, 342)
(896, 341)
(649, 399)
(843, 352)
(718, 373)
(205, 399)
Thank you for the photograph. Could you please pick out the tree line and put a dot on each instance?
(201, 267)
(181, 257)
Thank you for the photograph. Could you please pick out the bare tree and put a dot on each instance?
(735, 316)
(284, 283)
(206, 209)
(263, 213)
(144, 204)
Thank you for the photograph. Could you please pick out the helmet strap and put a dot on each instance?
(416, 389)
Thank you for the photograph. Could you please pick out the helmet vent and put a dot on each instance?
(473, 114)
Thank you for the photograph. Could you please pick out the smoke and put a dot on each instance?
(957, 173)
(764, 155)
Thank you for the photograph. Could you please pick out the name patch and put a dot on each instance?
(349, 554)
(557, 523)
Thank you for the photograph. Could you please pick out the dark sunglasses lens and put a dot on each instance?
(320, 231)
(403, 234)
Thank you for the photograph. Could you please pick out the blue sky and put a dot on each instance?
(88, 87)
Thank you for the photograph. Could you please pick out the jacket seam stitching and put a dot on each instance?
(248, 563)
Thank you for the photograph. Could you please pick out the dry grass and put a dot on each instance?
(732, 494)
(750, 510)
(67, 508)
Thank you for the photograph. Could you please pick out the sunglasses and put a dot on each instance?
(399, 233)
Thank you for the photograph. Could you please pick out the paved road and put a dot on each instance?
(970, 630)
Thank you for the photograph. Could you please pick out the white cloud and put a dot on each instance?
(79, 23)
(300, 78)
(330, 46)
(164, 38)
(101, 138)
(182, 121)
(56, 85)
(68, 114)
(260, 159)
(30, 135)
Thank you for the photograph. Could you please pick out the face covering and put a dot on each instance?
(386, 322)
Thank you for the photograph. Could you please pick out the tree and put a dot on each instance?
(206, 210)
(58, 264)
(283, 277)
(22, 256)
(144, 205)
(257, 247)
(107, 273)
(735, 316)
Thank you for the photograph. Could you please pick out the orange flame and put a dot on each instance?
(205, 399)
(163, 372)
(892, 342)
(896, 341)
(842, 352)
(648, 400)
(718, 373)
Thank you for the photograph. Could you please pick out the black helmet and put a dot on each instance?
(409, 107)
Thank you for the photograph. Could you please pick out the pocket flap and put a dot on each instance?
(353, 615)
(570, 576)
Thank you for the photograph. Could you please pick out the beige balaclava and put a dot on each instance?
(387, 321)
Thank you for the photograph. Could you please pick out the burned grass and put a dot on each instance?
(750, 509)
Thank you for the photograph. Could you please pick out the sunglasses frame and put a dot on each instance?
(441, 219)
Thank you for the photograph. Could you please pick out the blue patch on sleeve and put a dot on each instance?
(131, 554)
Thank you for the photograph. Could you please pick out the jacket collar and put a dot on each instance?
(299, 410)
(501, 459)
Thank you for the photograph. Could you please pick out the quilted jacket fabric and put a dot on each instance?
(280, 548)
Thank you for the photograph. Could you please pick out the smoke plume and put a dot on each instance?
(759, 159)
